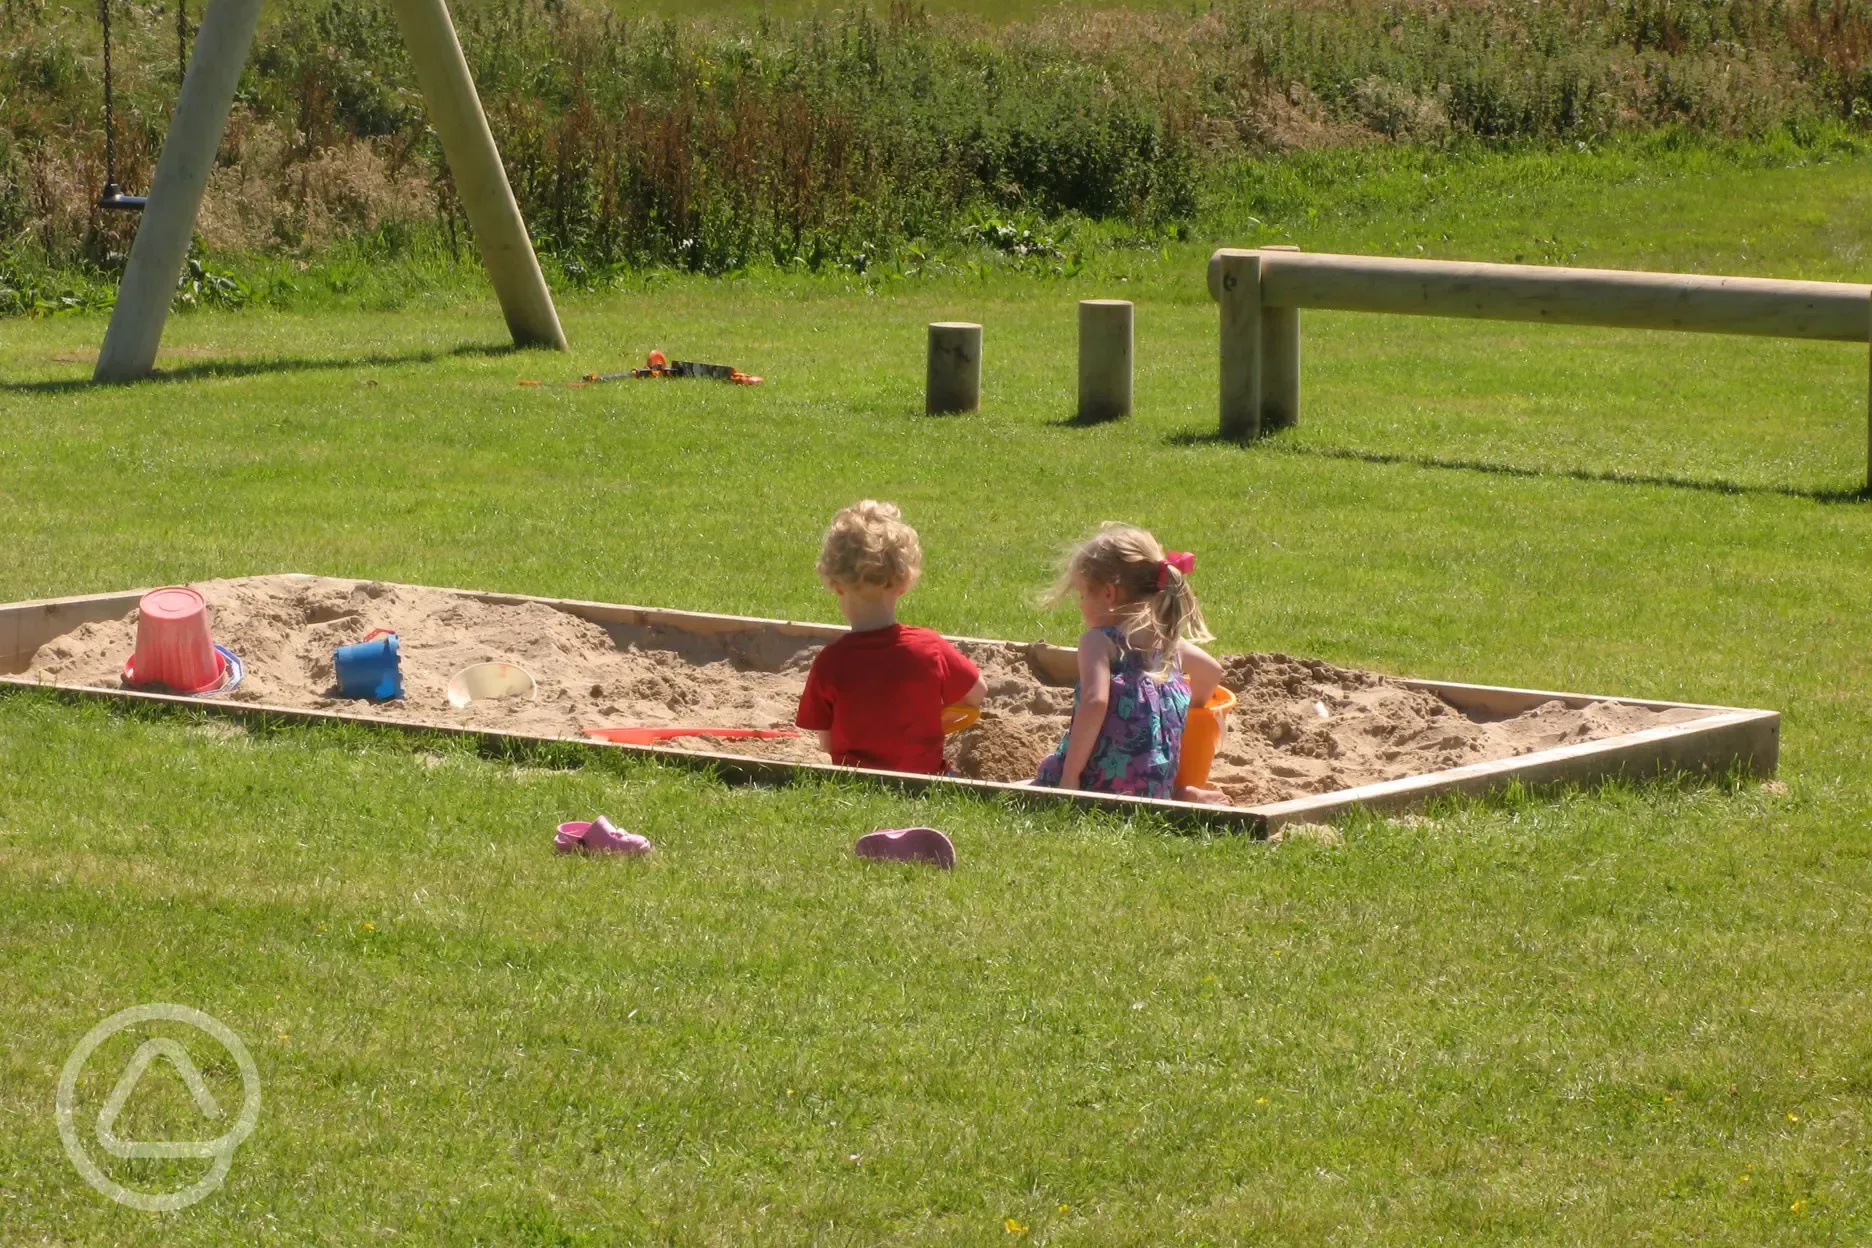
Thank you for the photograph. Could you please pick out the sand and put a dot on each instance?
(1301, 726)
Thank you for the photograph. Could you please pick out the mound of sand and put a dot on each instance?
(1301, 726)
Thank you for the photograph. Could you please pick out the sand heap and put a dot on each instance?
(1301, 727)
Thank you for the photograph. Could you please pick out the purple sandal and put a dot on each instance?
(599, 837)
(908, 845)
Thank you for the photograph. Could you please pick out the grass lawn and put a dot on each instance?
(1633, 1015)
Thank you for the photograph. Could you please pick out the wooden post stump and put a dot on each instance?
(953, 382)
(1105, 359)
(1235, 281)
(1280, 360)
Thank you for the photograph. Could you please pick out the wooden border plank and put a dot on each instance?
(25, 626)
(1505, 700)
(1749, 739)
(739, 768)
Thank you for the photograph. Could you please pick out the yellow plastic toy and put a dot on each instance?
(956, 718)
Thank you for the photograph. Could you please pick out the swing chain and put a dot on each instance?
(112, 196)
(110, 104)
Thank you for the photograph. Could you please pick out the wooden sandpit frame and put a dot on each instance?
(1724, 739)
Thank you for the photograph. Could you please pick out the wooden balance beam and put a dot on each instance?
(1261, 293)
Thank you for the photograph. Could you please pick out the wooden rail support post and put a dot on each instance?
(1105, 356)
(952, 382)
(1280, 359)
(1235, 281)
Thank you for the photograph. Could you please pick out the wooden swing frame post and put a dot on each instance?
(222, 44)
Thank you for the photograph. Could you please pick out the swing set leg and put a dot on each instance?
(168, 224)
(455, 112)
(162, 241)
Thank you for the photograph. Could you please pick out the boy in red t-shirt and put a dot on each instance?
(875, 696)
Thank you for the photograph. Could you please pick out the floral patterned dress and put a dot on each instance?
(1142, 737)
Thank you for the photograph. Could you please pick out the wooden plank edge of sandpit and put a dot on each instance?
(1507, 700)
(1745, 739)
(706, 623)
(72, 612)
(1061, 664)
(734, 768)
(1730, 739)
(25, 626)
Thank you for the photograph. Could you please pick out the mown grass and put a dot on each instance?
(1630, 1015)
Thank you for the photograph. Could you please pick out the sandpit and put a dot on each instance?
(1303, 727)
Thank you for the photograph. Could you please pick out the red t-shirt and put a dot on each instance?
(881, 694)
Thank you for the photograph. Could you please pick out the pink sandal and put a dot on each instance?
(599, 837)
(908, 845)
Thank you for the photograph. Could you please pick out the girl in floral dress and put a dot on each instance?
(1139, 667)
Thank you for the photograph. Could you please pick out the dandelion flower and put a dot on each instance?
(1015, 1227)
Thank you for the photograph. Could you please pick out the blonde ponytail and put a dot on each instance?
(1159, 607)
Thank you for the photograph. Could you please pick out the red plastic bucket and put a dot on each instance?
(173, 648)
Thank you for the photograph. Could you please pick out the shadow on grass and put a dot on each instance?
(259, 368)
(1859, 495)
(1076, 421)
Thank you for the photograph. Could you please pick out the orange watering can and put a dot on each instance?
(1202, 733)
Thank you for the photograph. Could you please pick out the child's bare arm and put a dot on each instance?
(976, 696)
(1095, 655)
(825, 741)
(1201, 670)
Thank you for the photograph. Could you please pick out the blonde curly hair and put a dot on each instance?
(870, 547)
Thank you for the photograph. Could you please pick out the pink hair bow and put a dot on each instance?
(1182, 560)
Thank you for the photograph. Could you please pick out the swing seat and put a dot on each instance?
(112, 199)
